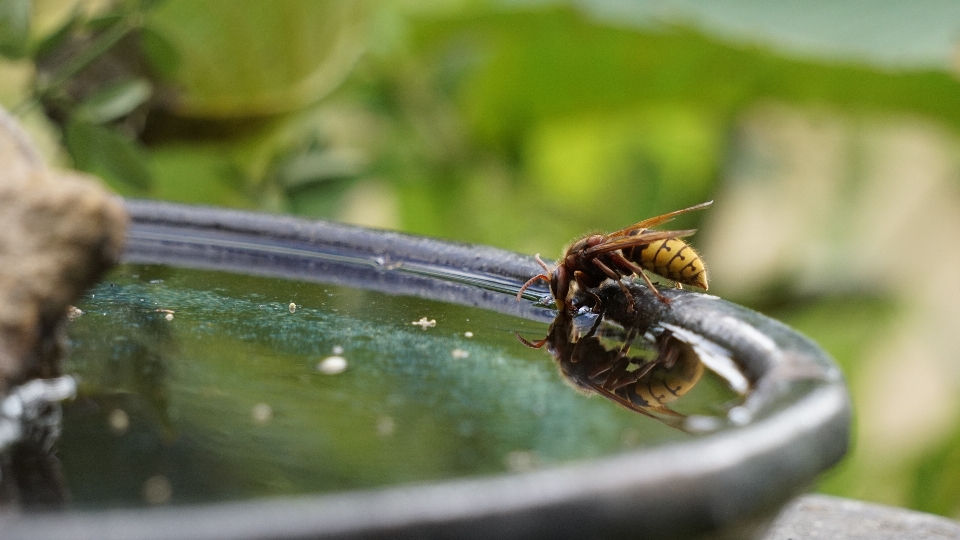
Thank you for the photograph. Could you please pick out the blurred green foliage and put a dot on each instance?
(520, 127)
(532, 122)
(936, 485)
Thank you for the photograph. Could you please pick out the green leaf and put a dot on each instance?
(160, 52)
(196, 174)
(319, 166)
(115, 101)
(107, 153)
(252, 58)
(885, 34)
(14, 27)
(936, 486)
(53, 39)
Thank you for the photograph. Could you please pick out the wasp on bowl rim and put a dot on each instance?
(594, 258)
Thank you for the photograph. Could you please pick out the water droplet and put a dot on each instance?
(740, 416)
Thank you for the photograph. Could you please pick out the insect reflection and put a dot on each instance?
(646, 386)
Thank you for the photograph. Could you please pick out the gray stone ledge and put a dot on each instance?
(820, 516)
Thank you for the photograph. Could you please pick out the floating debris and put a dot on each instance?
(293, 307)
(168, 316)
(424, 323)
(119, 420)
(157, 490)
(459, 354)
(385, 426)
(261, 413)
(520, 461)
(468, 334)
(73, 312)
(337, 350)
(630, 438)
(332, 365)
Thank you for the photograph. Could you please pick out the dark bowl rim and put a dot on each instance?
(729, 481)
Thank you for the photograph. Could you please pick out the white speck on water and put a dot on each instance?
(424, 323)
(468, 334)
(261, 413)
(385, 426)
(119, 420)
(168, 316)
(459, 354)
(337, 350)
(293, 307)
(332, 365)
(157, 490)
(522, 461)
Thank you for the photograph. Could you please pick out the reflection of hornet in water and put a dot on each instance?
(643, 386)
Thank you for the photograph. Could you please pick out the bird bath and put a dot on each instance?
(254, 376)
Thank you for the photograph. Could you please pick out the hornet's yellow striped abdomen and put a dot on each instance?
(671, 258)
(664, 384)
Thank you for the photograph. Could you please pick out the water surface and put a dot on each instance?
(201, 386)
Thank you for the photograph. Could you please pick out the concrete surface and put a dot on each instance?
(820, 516)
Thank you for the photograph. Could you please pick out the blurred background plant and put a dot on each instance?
(827, 132)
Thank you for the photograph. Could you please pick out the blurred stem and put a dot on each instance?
(84, 58)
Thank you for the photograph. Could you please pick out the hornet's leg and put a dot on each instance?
(640, 272)
(601, 368)
(574, 357)
(531, 344)
(612, 274)
(619, 370)
(581, 280)
(626, 377)
(669, 352)
(635, 376)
